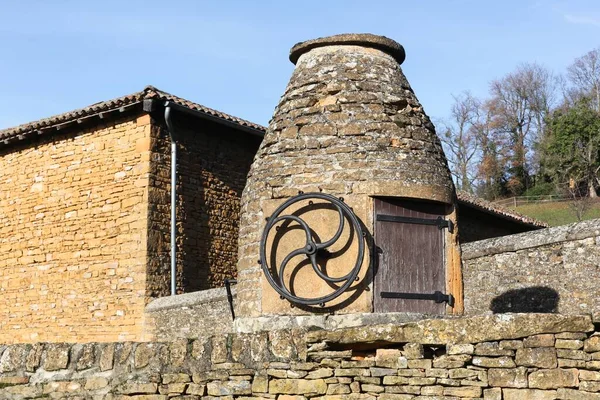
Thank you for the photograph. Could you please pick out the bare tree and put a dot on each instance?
(490, 170)
(460, 140)
(519, 104)
(584, 74)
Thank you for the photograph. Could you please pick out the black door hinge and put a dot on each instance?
(439, 221)
(436, 296)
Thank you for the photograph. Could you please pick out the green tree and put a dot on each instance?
(573, 147)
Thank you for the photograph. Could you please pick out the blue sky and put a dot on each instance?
(60, 55)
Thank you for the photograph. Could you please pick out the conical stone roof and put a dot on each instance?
(347, 124)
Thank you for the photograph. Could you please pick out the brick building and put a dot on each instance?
(84, 214)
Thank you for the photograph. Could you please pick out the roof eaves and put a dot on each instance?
(57, 122)
(494, 209)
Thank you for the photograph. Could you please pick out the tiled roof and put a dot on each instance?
(150, 92)
(487, 206)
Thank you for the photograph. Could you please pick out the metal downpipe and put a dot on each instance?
(173, 198)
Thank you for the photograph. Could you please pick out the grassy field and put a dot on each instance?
(559, 213)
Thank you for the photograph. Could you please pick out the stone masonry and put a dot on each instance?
(549, 270)
(72, 235)
(213, 162)
(84, 224)
(508, 356)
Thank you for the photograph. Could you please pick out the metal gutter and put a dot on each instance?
(171, 130)
(170, 106)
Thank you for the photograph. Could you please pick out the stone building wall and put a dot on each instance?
(549, 270)
(72, 234)
(213, 162)
(510, 357)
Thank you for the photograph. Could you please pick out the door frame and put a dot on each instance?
(451, 256)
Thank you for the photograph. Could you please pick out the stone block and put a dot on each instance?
(144, 352)
(413, 351)
(196, 389)
(320, 373)
(592, 344)
(336, 389)
(528, 394)
(553, 378)
(107, 354)
(376, 372)
(87, 357)
(463, 391)
(420, 364)
(455, 349)
(494, 362)
(451, 361)
(574, 394)
(510, 378)
(541, 357)
(96, 383)
(57, 356)
(590, 386)
(568, 344)
(228, 388)
(138, 388)
(260, 384)
(491, 349)
(297, 386)
(34, 357)
(492, 394)
(13, 358)
(390, 358)
(543, 340)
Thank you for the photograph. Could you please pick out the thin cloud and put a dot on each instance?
(580, 20)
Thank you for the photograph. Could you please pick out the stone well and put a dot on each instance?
(350, 126)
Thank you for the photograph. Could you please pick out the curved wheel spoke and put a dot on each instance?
(299, 220)
(337, 234)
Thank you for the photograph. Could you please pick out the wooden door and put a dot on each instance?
(411, 255)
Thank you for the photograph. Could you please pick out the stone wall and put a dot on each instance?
(213, 162)
(510, 357)
(72, 234)
(192, 315)
(84, 225)
(550, 270)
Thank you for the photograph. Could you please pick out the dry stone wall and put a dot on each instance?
(549, 270)
(510, 357)
(72, 234)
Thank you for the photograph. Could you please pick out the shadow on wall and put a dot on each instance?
(535, 299)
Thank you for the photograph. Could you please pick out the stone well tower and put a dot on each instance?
(350, 128)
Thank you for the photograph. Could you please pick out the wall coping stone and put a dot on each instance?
(324, 321)
(527, 240)
(457, 330)
(189, 299)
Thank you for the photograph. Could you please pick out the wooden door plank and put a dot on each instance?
(412, 257)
